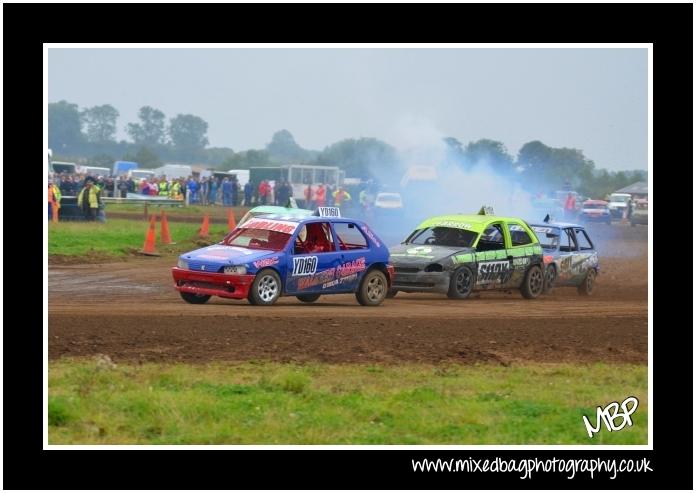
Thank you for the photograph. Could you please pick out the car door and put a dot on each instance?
(313, 260)
(493, 266)
(567, 249)
(584, 258)
(521, 251)
(354, 250)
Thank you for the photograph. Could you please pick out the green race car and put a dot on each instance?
(460, 254)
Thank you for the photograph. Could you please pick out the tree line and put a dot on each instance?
(89, 135)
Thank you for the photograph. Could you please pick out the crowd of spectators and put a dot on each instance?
(213, 190)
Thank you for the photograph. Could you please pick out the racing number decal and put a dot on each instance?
(329, 212)
(304, 266)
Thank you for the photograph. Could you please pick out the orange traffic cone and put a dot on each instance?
(149, 245)
(203, 232)
(231, 223)
(165, 237)
(54, 212)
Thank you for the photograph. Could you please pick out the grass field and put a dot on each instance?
(214, 211)
(270, 403)
(119, 237)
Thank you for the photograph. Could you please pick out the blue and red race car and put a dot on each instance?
(277, 255)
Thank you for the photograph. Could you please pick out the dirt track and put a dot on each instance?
(130, 311)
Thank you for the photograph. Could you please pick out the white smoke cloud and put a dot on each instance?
(458, 190)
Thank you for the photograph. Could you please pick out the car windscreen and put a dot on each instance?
(389, 197)
(442, 236)
(257, 238)
(619, 198)
(594, 206)
(548, 236)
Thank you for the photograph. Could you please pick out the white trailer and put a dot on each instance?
(242, 176)
(171, 171)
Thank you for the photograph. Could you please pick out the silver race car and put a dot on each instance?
(570, 257)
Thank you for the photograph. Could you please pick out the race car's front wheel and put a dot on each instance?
(266, 288)
(533, 284)
(194, 299)
(461, 283)
(373, 288)
(587, 285)
(308, 298)
(549, 278)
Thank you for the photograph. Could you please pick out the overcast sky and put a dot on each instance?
(590, 99)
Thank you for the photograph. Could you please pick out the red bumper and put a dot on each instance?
(390, 271)
(223, 285)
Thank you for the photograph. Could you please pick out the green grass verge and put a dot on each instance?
(272, 403)
(215, 211)
(119, 237)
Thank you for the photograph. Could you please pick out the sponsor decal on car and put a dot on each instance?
(583, 264)
(319, 278)
(272, 225)
(341, 274)
(520, 261)
(494, 272)
(352, 267)
(371, 235)
(451, 224)
(267, 262)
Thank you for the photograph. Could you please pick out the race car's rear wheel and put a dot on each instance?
(308, 298)
(373, 288)
(194, 299)
(461, 283)
(392, 292)
(550, 278)
(533, 284)
(587, 285)
(266, 288)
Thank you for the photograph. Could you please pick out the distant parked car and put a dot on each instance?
(618, 202)
(640, 212)
(388, 203)
(595, 211)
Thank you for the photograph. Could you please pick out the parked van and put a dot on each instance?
(63, 167)
(618, 204)
(139, 175)
(242, 176)
(96, 171)
(123, 167)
